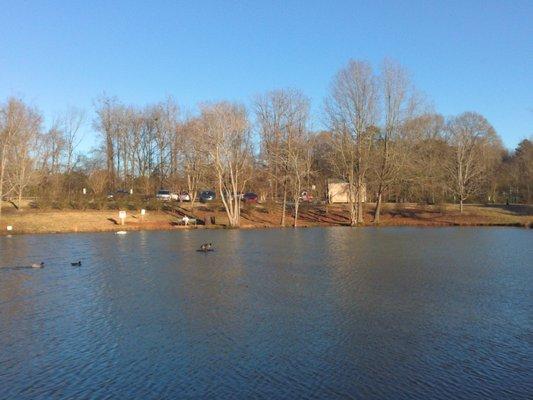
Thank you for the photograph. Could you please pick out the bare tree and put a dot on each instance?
(283, 116)
(470, 137)
(523, 163)
(71, 123)
(165, 119)
(228, 143)
(270, 111)
(107, 123)
(353, 111)
(399, 105)
(425, 145)
(52, 147)
(299, 163)
(10, 121)
(194, 157)
(49, 154)
(70, 126)
(143, 148)
(19, 130)
(22, 174)
(97, 180)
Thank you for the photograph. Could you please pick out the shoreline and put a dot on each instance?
(253, 228)
(257, 217)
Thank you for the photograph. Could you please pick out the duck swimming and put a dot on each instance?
(76, 264)
(41, 265)
(206, 247)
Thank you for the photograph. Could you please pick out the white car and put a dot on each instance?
(184, 196)
(166, 195)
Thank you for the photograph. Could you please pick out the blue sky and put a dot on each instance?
(464, 55)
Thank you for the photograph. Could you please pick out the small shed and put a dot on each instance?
(339, 191)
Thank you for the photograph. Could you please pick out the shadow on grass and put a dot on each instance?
(516, 209)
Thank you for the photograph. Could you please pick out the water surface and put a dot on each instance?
(310, 313)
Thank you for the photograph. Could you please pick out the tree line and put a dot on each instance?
(380, 137)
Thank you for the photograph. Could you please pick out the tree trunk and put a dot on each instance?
(110, 160)
(236, 211)
(460, 205)
(377, 211)
(273, 195)
(296, 208)
(284, 206)
(2, 170)
(1, 193)
(351, 202)
(360, 218)
(353, 213)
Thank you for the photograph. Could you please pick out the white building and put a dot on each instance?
(339, 192)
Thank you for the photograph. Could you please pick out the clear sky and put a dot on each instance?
(464, 55)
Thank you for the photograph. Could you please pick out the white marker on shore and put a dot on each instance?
(122, 216)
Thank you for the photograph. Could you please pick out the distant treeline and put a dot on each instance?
(381, 138)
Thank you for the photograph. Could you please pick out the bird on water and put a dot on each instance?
(206, 247)
(76, 264)
(41, 265)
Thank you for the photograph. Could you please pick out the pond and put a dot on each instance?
(320, 313)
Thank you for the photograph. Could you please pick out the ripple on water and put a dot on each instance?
(311, 313)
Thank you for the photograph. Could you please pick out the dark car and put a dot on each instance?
(207, 195)
(249, 197)
(122, 192)
(118, 193)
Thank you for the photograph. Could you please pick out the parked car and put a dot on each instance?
(166, 195)
(306, 196)
(250, 197)
(184, 196)
(118, 193)
(207, 195)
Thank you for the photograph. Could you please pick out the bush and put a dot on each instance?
(153, 205)
(441, 207)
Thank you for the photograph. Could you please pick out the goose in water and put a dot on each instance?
(206, 247)
(41, 265)
(76, 264)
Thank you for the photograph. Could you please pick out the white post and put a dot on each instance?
(9, 227)
(84, 191)
(143, 212)
(122, 216)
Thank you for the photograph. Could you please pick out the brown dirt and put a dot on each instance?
(258, 216)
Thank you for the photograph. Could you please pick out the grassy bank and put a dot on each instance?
(30, 220)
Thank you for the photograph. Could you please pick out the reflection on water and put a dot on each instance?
(309, 313)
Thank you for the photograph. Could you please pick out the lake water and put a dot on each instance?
(325, 313)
